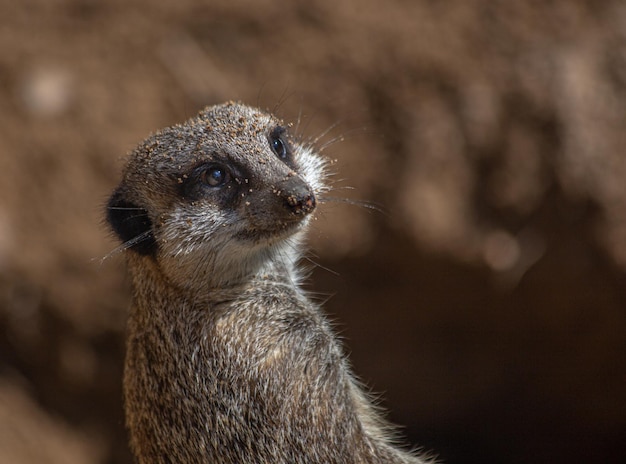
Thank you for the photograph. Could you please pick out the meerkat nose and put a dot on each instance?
(299, 197)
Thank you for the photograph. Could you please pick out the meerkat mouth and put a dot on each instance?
(281, 231)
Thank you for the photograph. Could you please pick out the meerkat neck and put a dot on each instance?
(277, 265)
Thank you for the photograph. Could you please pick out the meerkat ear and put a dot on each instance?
(132, 224)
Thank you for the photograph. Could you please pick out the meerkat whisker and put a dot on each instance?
(341, 138)
(125, 246)
(325, 132)
(360, 203)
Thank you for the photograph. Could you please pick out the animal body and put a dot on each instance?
(228, 360)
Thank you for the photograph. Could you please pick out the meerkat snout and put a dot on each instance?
(298, 197)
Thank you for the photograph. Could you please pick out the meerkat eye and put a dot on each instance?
(215, 176)
(279, 146)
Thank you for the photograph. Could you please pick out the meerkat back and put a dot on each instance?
(227, 359)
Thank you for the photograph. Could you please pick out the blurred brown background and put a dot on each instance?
(486, 302)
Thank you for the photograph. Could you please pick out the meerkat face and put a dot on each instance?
(217, 193)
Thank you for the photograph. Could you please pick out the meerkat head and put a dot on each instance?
(214, 198)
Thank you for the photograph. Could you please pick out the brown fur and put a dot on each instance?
(228, 361)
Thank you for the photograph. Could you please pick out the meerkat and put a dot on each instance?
(228, 360)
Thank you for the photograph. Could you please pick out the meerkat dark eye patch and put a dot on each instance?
(131, 224)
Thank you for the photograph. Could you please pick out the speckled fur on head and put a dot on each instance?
(228, 360)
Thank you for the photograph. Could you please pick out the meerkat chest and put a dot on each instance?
(272, 334)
